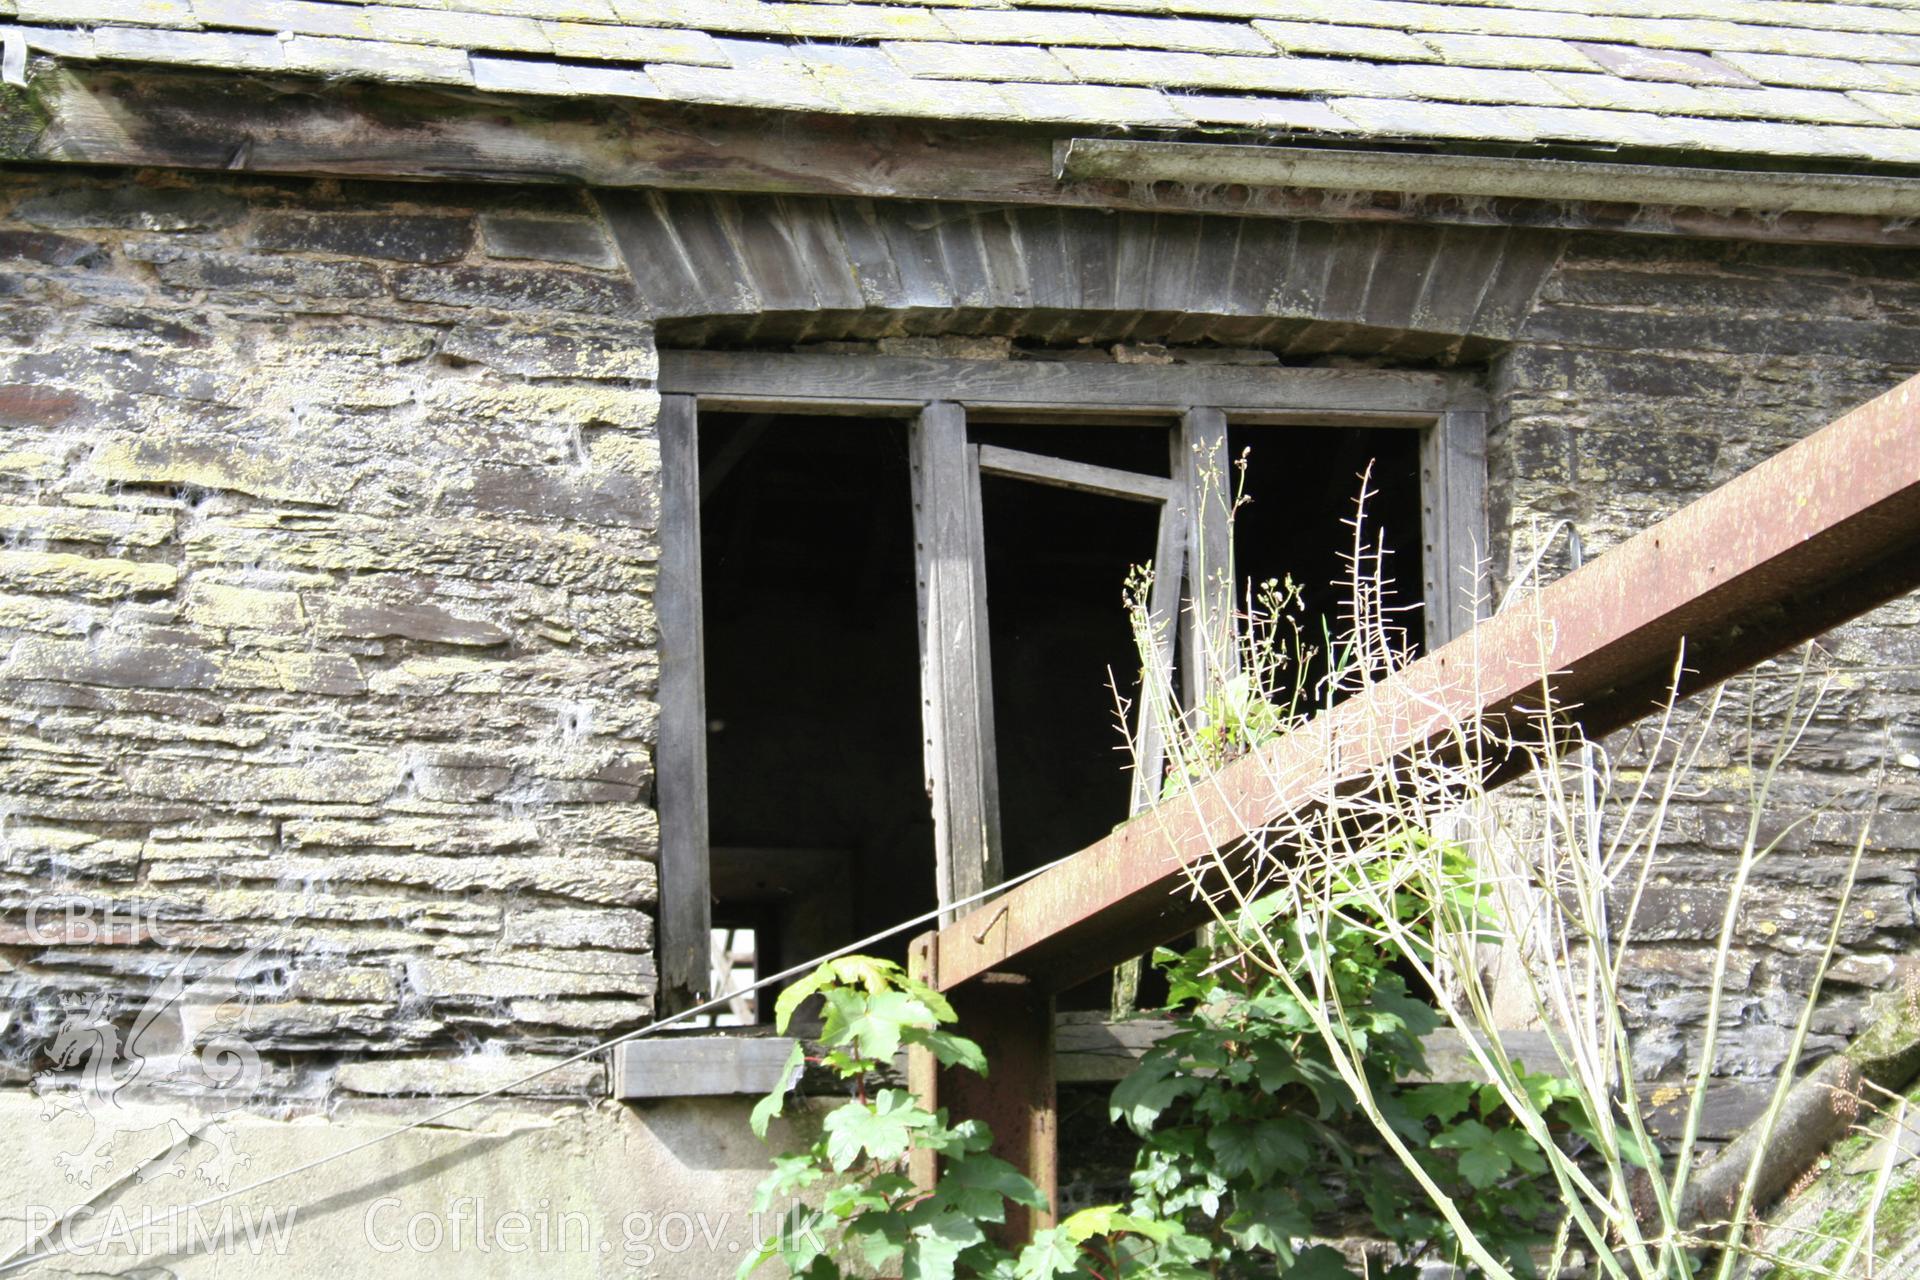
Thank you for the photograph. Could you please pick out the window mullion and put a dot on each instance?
(1201, 465)
(956, 672)
(680, 762)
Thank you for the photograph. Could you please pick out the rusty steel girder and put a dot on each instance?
(1820, 533)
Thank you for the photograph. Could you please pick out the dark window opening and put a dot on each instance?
(820, 826)
(1302, 483)
(820, 829)
(1057, 564)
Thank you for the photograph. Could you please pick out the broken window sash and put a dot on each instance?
(936, 397)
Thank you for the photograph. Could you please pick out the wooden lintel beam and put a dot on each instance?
(108, 114)
(1816, 535)
(732, 379)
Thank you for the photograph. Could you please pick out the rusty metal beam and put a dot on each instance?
(1818, 534)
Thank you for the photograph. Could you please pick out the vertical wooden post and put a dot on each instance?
(1202, 465)
(956, 670)
(1156, 677)
(1011, 1018)
(683, 950)
(1454, 524)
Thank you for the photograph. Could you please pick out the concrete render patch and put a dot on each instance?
(664, 1190)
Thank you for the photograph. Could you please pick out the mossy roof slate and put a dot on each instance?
(1806, 81)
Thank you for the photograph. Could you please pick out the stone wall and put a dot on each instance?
(326, 638)
(1650, 372)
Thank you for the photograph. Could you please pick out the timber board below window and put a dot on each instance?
(890, 594)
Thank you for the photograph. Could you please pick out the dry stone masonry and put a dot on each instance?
(326, 633)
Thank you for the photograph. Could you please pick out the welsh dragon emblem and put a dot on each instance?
(188, 1039)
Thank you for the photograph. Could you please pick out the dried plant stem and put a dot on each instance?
(1561, 864)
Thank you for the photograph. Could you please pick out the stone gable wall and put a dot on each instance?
(327, 544)
(326, 623)
(1650, 372)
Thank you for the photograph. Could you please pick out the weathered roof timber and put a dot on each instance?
(1802, 80)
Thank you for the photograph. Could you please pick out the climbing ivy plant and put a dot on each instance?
(1252, 1141)
(851, 1202)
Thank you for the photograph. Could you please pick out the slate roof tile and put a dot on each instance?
(1819, 14)
(556, 10)
(1003, 27)
(304, 16)
(707, 15)
(1894, 146)
(1815, 106)
(859, 22)
(1513, 20)
(1293, 114)
(761, 75)
(1398, 117)
(1800, 79)
(1796, 72)
(457, 30)
(226, 50)
(1681, 66)
(1351, 42)
(64, 42)
(1309, 76)
(133, 13)
(1905, 79)
(633, 44)
(1187, 35)
(1520, 52)
(864, 81)
(1901, 108)
(1092, 103)
(427, 64)
(949, 61)
(517, 75)
(733, 87)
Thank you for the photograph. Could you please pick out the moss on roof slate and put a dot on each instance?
(1787, 78)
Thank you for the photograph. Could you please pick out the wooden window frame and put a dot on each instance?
(939, 398)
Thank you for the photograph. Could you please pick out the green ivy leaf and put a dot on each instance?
(1150, 1090)
(860, 972)
(1416, 1017)
(936, 1003)
(1260, 1150)
(1318, 1263)
(934, 1246)
(985, 1175)
(1483, 1162)
(1520, 1148)
(796, 994)
(1440, 1102)
(951, 1050)
(1268, 1218)
(1051, 1254)
(771, 1106)
(873, 1022)
(881, 1129)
